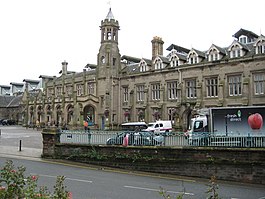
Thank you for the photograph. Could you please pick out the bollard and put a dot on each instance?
(20, 143)
(0, 132)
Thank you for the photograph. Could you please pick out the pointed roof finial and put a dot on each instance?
(109, 15)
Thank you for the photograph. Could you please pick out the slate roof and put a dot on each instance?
(5, 100)
(178, 48)
(131, 59)
(15, 102)
(246, 33)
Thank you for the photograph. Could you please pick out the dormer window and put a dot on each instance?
(158, 64)
(193, 58)
(235, 51)
(213, 55)
(143, 66)
(260, 46)
(243, 39)
(174, 62)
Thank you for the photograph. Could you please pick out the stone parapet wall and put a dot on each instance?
(233, 164)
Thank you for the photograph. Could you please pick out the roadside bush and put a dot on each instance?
(15, 185)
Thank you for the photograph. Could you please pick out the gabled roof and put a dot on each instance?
(260, 38)
(179, 55)
(164, 59)
(244, 46)
(221, 50)
(148, 61)
(199, 53)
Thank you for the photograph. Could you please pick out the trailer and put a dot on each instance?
(228, 126)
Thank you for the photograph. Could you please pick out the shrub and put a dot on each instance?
(14, 184)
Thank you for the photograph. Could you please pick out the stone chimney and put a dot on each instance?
(157, 47)
(64, 68)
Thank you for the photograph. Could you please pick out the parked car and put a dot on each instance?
(137, 139)
(118, 139)
(147, 139)
(8, 122)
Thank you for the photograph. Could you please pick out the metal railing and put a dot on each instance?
(149, 139)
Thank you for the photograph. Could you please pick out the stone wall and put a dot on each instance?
(233, 164)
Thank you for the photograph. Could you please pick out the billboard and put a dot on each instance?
(232, 121)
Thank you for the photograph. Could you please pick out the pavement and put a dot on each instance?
(20, 142)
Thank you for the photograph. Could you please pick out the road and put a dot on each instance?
(86, 181)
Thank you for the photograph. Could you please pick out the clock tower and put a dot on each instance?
(108, 68)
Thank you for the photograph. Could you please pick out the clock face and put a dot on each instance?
(103, 60)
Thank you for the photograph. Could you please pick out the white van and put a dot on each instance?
(160, 127)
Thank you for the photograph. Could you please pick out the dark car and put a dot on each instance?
(118, 138)
(144, 138)
(136, 139)
(8, 122)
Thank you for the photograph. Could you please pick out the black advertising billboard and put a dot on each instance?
(232, 121)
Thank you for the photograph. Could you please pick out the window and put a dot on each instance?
(125, 94)
(59, 90)
(108, 34)
(235, 51)
(193, 58)
(155, 91)
(259, 84)
(235, 87)
(79, 89)
(140, 93)
(90, 87)
(172, 90)
(50, 91)
(260, 48)
(158, 64)
(143, 67)
(212, 87)
(69, 90)
(213, 55)
(172, 114)
(174, 61)
(243, 39)
(191, 89)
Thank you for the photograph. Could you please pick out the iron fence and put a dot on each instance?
(150, 139)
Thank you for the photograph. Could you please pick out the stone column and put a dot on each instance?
(50, 137)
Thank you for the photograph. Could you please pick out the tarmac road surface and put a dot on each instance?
(20, 141)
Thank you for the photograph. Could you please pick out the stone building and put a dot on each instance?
(119, 88)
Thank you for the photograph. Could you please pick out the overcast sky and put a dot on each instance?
(37, 35)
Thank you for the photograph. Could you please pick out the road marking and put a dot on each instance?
(72, 179)
(157, 190)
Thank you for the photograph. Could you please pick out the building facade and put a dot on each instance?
(119, 88)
